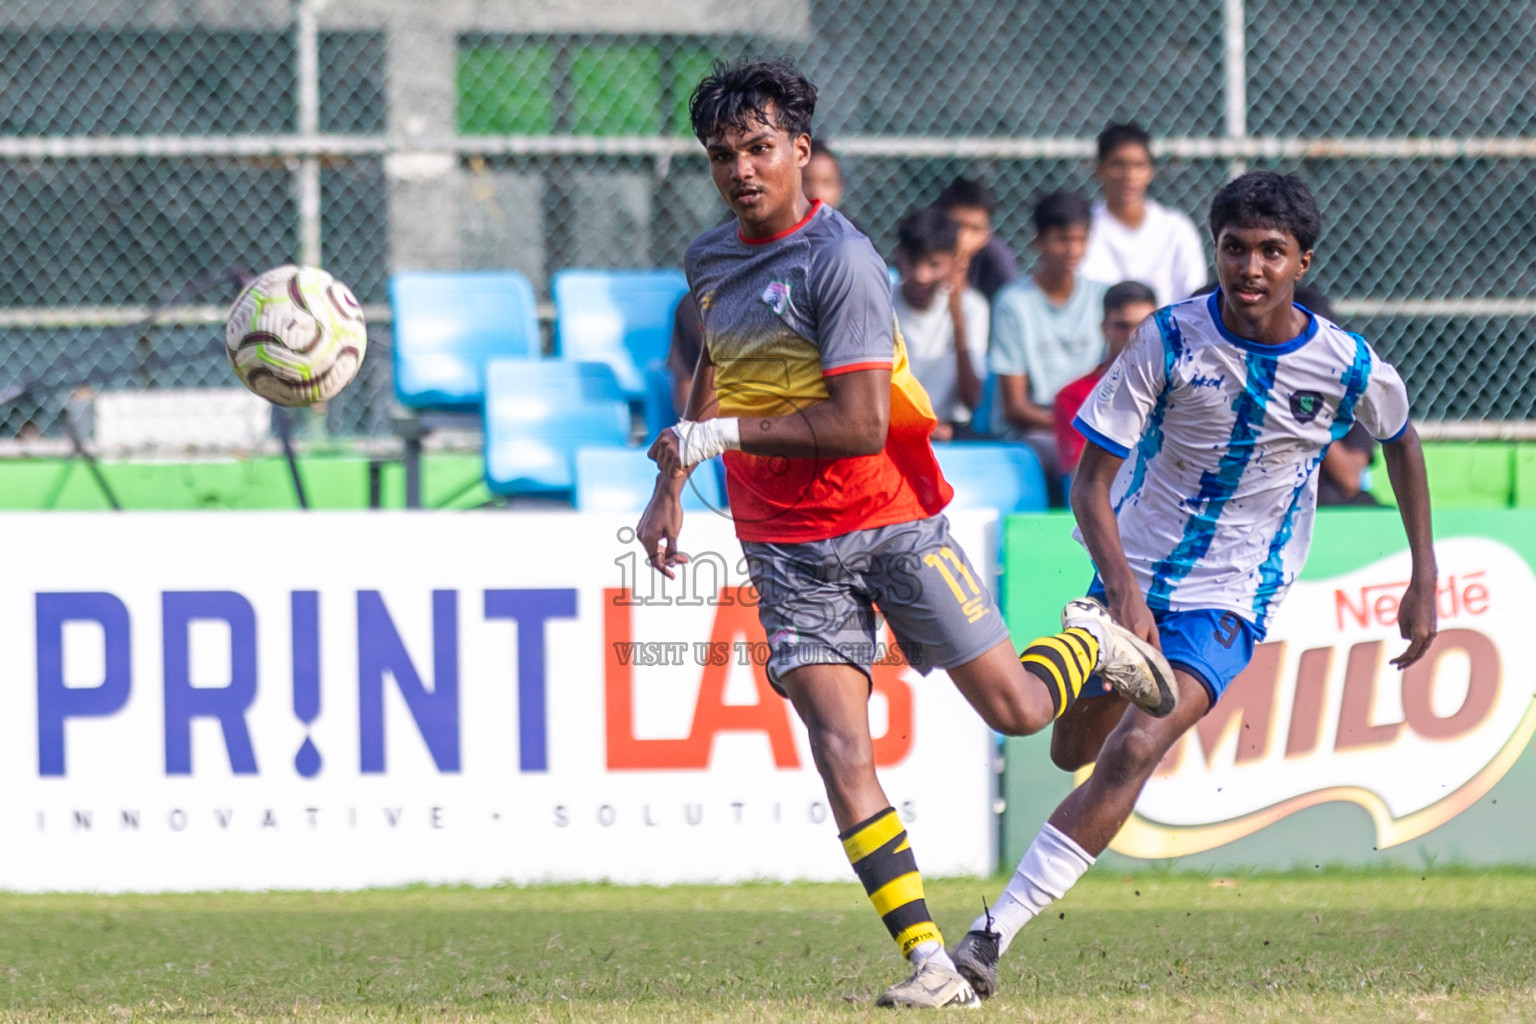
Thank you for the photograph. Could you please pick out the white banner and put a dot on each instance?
(1320, 715)
(289, 700)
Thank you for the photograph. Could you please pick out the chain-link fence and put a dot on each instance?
(153, 151)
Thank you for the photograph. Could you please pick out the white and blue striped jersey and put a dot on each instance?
(1222, 439)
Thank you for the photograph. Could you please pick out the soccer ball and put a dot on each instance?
(295, 336)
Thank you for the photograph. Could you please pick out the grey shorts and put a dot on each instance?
(817, 600)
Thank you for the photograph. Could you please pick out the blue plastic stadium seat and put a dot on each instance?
(619, 317)
(538, 413)
(1007, 477)
(448, 323)
(981, 419)
(622, 479)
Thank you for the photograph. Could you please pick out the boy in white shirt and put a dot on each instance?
(1132, 237)
(945, 329)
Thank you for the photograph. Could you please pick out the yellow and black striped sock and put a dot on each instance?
(882, 858)
(1063, 663)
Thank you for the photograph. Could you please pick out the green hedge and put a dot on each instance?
(1472, 475)
(333, 482)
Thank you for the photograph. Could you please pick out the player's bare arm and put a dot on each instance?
(967, 379)
(852, 421)
(1410, 483)
(662, 520)
(1101, 534)
(700, 406)
(1019, 410)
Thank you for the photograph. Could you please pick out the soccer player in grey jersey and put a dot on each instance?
(804, 386)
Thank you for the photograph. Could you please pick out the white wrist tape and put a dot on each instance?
(699, 440)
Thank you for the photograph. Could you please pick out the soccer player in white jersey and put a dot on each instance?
(1195, 499)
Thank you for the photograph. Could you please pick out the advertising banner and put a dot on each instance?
(1322, 750)
(290, 700)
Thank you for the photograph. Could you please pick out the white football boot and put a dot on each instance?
(1132, 667)
(930, 987)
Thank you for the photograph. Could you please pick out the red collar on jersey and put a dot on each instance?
(815, 205)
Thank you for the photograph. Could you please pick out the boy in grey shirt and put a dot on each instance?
(1045, 327)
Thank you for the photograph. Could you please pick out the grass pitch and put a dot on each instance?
(1443, 946)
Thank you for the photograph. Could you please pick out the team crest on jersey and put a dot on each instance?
(776, 296)
(1305, 405)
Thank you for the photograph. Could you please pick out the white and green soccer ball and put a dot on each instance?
(295, 336)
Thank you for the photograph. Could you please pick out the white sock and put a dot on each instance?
(1052, 865)
(933, 950)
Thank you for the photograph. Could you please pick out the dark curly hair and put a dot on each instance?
(967, 192)
(1267, 199)
(1061, 209)
(1117, 135)
(925, 231)
(749, 91)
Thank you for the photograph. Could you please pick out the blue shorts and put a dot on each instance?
(1211, 644)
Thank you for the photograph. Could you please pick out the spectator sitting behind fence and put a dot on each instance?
(1126, 305)
(823, 176)
(984, 260)
(1045, 329)
(945, 327)
(1134, 238)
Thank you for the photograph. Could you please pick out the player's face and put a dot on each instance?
(974, 226)
(1125, 174)
(922, 277)
(1120, 324)
(1258, 268)
(757, 170)
(1061, 248)
(823, 180)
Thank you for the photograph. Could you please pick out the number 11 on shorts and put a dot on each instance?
(973, 604)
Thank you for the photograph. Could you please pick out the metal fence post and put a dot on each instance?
(1235, 61)
(306, 182)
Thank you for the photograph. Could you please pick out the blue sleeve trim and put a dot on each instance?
(1399, 435)
(1113, 447)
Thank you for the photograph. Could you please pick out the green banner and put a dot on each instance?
(1321, 753)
